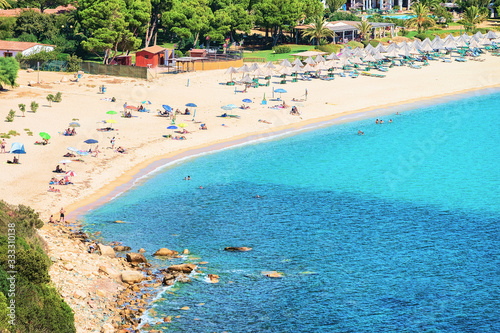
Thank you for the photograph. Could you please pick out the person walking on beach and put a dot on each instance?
(62, 211)
(113, 143)
(3, 145)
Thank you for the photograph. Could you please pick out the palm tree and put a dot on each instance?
(421, 19)
(365, 28)
(4, 4)
(318, 30)
(472, 16)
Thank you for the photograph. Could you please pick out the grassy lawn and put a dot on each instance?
(270, 56)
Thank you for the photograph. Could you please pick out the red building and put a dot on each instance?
(150, 56)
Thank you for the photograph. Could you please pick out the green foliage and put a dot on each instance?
(58, 97)
(73, 63)
(318, 30)
(41, 4)
(4, 311)
(22, 107)
(365, 29)
(334, 5)
(353, 44)
(464, 4)
(50, 99)
(39, 308)
(7, 26)
(471, 17)
(344, 16)
(421, 20)
(423, 36)
(4, 4)
(34, 106)
(329, 48)
(10, 116)
(8, 71)
(280, 49)
(228, 19)
(13, 133)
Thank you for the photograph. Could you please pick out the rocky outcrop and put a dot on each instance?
(238, 249)
(273, 274)
(141, 250)
(165, 252)
(136, 258)
(121, 248)
(183, 278)
(186, 251)
(214, 278)
(132, 277)
(106, 251)
(109, 272)
(183, 268)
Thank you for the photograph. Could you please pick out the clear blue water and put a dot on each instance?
(401, 17)
(393, 231)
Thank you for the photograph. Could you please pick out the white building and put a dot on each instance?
(11, 48)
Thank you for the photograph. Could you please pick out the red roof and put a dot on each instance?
(17, 46)
(16, 11)
(154, 49)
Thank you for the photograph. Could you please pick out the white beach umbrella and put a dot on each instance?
(383, 49)
(479, 35)
(450, 44)
(308, 68)
(369, 48)
(285, 70)
(392, 54)
(231, 70)
(460, 42)
(258, 72)
(331, 64)
(416, 44)
(296, 68)
(449, 37)
(320, 66)
(246, 79)
(310, 61)
(269, 64)
(244, 69)
(356, 60)
(491, 35)
(333, 56)
(404, 52)
(319, 59)
(358, 52)
(297, 62)
(426, 47)
(377, 55)
(414, 51)
(466, 37)
(439, 45)
(369, 58)
(474, 44)
(485, 41)
(402, 44)
(268, 71)
(285, 63)
(254, 67)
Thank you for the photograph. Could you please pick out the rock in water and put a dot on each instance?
(184, 268)
(213, 278)
(183, 278)
(120, 248)
(132, 277)
(239, 249)
(165, 252)
(273, 274)
(107, 251)
(136, 258)
(141, 250)
(186, 251)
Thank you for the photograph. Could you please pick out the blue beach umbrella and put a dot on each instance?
(146, 102)
(172, 127)
(247, 100)
(167, 107)
(91, 141)
(280, 91)
(191, 105)
(226, 108)
(232, 106)
(17, 148)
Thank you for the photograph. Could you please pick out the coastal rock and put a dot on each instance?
(106, 251)
(165, 252)
(185, 308)
(132, 277)
(238, 249)
(110, 272)
(183, 268)
(68, 267)
(107, 328)
(214, 278)
(79, 294)
(186, 251)
(141, 250)
(121, 248)
(100, 293)
(136, 258)
(183, 278)
(273, 274)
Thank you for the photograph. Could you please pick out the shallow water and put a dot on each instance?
(395, 230)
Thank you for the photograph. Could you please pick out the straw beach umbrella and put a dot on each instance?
(231, 70)
(254, 67)
(491, 35)
(310, 61)
(319, 59)
(270, 65)
(285, 63)
(333, 56)
(297, 62)
(286, 71)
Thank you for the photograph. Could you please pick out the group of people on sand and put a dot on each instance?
(62, 181)
(294, 111)
(61, 218)
(69, 132)
(127, 114)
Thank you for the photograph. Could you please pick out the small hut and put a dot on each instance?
(150, 56)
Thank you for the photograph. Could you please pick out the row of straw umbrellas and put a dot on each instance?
(366, 55)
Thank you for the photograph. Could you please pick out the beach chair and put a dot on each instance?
(230, 83)
(283, 82)
(294, 79)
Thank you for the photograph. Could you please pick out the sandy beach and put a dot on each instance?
(143, 135)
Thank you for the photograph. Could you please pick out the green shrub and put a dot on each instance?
(50, 99)
(13, 133)
(34, 106)
(22, 107)
(423, 36)
(10, 116)
(353, 44)
(329, 48)
(73, 63)
(280, 49)
(58, 97)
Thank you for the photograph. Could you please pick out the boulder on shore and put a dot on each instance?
(132, 277)
(238, 249)
(106, 251)
(183, 268)
(110, 272)
(165, 252)
(136, 258)
(121, 248)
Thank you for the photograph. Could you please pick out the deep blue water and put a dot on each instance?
(393, 231)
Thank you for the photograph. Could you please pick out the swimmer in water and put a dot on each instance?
(390, 121)
(376, 121)
(201, 187)
(361, 133)
(257, 196)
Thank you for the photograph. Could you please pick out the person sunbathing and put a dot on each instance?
(120, 150)
(184, 131)
(15, 160)
(264, 121)
(73, 132)
(244, 107)
(69, 155)
(59, 169)
(203, 127)
(141, 108)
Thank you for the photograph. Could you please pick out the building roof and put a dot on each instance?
(18, 46)
(16, 11)
(153, 49)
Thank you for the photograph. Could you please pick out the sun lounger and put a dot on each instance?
(460, 59)
(415, 66)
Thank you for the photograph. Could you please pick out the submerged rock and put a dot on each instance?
(273, 274)
(238, 249)
(121, 248)
(213, 278)
(165, 252)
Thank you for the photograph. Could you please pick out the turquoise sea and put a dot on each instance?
(397, 230)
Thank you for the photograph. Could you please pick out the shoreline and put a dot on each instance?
(146, 169)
